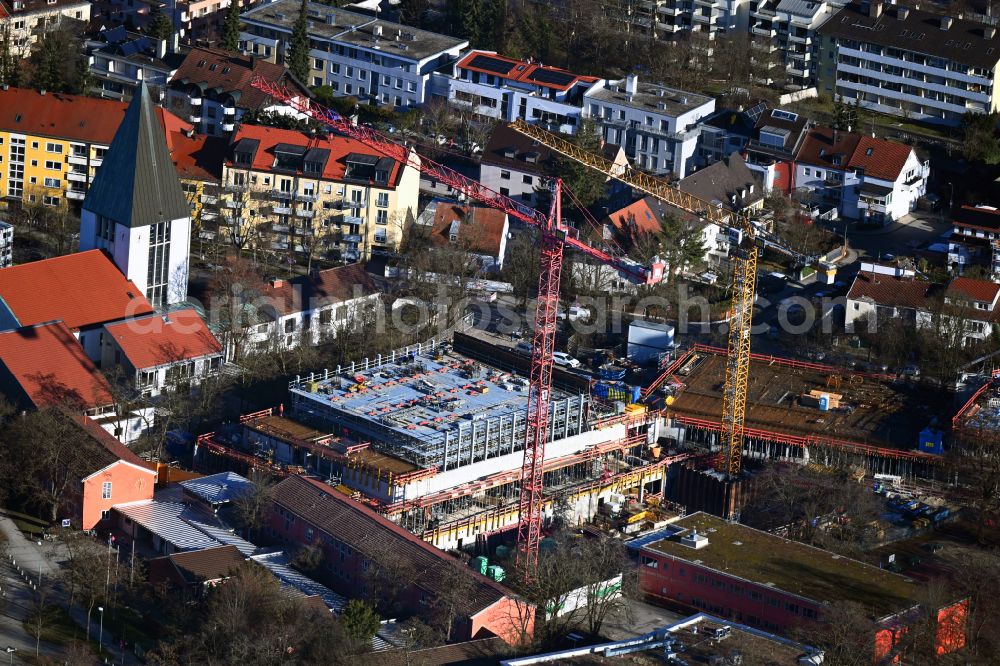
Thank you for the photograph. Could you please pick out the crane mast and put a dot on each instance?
(743, 281)
(555, 235)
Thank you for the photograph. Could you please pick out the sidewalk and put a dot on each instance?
(32, 558)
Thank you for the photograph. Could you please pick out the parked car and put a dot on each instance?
(564, 359)
(523, 348)
(575, 312)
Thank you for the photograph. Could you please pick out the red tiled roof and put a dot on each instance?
(880, 158)
(826, 147)
(480, 230)
(340, 147)
(82, 289)
(975, 290)
(524, 71)
(50, 367)
(333, 285)
(156, 340)
(978, 217)
(362, 528)
(638, 213)
(208, 564)
(70, 117)
(228, 72)
(889, 290)
(199, 157)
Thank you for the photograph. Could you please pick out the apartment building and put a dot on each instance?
(657, 126)
(6, 244)
(28, 19)
(910, 63)
(212, 89)
(120, 60)
(356, 55)
(494, 86)
(667, 20)
(789, 28)
(52, 144)
(322, 196)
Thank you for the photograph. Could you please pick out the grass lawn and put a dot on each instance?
(59, 627)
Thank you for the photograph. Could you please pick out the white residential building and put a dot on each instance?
(868, 179)
(355, 54)
(669, 20)
(788, 27)
(657, 126)
(910, 63)
(493, 86)
(6, 244)
(312, 308)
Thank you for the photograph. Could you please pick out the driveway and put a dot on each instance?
(911, 232)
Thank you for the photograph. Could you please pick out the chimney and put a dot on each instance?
(631, 84)
(277, 282)
(377, 31)
(42, 92)
(946, 22)
(161, 48)
(903, 13)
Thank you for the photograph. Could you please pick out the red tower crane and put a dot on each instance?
(556, 235)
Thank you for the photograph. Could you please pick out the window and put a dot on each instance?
(382, 201)
(318, 64)
(348, 89)
(52, 182)
(53, 148)
(50, 201)
(106, 490)
(505, 191)
(398, 85)
(362, 74)
(808, 171)
(505, 175)
(326, 316)
(411, 87)
(382, 217)
(289, 325)
(350, 72)
(34, 145)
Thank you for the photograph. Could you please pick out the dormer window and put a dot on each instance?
(531, 158)
(509, 153)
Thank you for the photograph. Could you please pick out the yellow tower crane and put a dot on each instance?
(744, 261)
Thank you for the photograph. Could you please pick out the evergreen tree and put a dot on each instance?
(360, 621)
(231, 28)
(10, 72)
(588, 185)
(159, 25)
(47, 64)
(298, 46)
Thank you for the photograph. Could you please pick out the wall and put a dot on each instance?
(516, 188)
(512, 620)
(129, 483)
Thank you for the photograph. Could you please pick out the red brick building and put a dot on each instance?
(733, 571)
(305, 512)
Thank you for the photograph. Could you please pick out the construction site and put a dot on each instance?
(809, 412)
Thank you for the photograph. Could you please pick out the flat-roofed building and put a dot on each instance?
(356, 55)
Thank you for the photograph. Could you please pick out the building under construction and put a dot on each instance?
(433, 439)
(809, 412)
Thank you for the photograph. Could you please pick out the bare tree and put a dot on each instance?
(251, 506)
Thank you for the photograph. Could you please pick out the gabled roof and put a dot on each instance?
(826, 147)
(319, 288)
(70, 117)
(978, 217)
(208, 564)
(880, 158)
(480, 229)
(136, 185)
(890, 290)
(225, 73)
(109, 449)
(262, 143)
(198, 157)
(39, 6)
(370, 533)
(218, 488)
(647, 215)
(504, 140)
(728, 181)
(82, 289)
(970, 289)
(47, 364)
(155, 340)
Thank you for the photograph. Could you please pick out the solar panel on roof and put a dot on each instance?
(550, 77)
(116, 34)
(754, 112)
(491, 64)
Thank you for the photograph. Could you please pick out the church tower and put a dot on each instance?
(135, 208)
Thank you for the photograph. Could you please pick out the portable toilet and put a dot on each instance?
(503, 552)
(824, 403)
(496, 573)
(931, 441)
(480, 564)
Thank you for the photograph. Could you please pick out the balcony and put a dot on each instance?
(280, 228)
(352, 238)
(281, 210)
(350, 255)
(279, 246)
(194, 118)
(233, 203)
(229, 110)
(78, 195)
(344, 204)
(77, 176)
(306, 196)
(209, 199)
(228, 127)
(799, 39)
(353, 220)
(79, 160)
(302, 212)
(195, 101)
(770, 33)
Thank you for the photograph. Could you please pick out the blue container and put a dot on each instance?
(636, 393)
(931, 441)
(824, 403)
